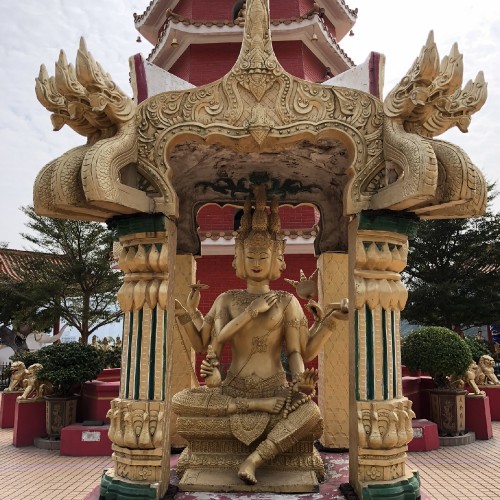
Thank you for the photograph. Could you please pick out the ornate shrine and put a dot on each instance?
(372, 168)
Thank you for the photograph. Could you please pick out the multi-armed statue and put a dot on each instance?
(264, 411)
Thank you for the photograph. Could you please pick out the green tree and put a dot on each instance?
(453, 273)
(73, 280)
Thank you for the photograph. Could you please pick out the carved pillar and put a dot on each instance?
(140, 423)
(333, 361)
(380, 417)
(183, 374)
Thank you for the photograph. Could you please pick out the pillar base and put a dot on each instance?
(114, 488)
(407, 488)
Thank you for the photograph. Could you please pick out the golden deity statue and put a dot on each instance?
(262, 405)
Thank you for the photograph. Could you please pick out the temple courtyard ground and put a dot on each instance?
(460, 472)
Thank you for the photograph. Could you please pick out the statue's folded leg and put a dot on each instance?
(302, 422)
(201, 402)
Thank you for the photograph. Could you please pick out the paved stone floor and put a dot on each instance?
(461, 472)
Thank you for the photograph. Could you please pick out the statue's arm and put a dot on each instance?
(259, 305)
(294, 322)
(197, 328)
(322, 329)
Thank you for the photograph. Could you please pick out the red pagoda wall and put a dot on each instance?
(202, 64)
(203, 10)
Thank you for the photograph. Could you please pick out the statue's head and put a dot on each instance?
(259, 245)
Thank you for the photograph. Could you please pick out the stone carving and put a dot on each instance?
(433, 178)
(18, 374)
(261, 407)
(34, 388)
(385, 425)
(468, 379)
(485, 374)
(136, 424)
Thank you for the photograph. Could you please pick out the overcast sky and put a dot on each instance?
(33, 32)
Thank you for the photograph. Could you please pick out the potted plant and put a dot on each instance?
(66, 366)
(441, 353)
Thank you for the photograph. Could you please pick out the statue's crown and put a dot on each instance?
(258, 228)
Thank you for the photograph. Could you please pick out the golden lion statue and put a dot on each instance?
(18, 373)
(33, 387)
(468, 379)
(485, 374)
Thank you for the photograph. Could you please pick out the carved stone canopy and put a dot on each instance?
(338, 148)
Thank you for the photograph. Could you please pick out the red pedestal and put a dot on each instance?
(85, 441)
(8, 409)
(29, 422)
(110, 375)
(416, 389)
(493, 393)
(478, 417)
(425, 436)
(96, 399)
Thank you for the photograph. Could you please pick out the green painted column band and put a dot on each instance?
(356, 351)
(164, 367)
(407, 489)
(139, 223)
(393, 336)
(388, 220)
(370, 367)
(114, 489)
(137, 381)
(385, 365)
(129, 353)
(152, 357)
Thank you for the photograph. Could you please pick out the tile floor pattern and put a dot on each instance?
(452, 473)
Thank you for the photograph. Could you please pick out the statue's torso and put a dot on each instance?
(256, 348)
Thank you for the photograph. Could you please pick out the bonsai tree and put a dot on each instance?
(437, 351)
(68, 365)
(477, 347)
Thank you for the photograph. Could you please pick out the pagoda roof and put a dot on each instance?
(150, 22)
(13, 262)
(302, 28)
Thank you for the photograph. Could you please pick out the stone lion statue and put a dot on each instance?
(18, 373)
(33, 387)
(485, 374)
(468, 379)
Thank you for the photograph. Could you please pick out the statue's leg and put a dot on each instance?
(300, 423)
(200, 402)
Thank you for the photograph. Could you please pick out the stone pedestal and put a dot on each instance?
(478, 416)
(85, 441)
(493, 393)
(96, 399)
(29, 422)
(425, 436)
(8, 409)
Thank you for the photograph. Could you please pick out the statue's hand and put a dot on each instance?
(193, 299)
(339, 310)
(307, 380)
(264, 303)
(179, 309)
(315, 309)
(210, 373)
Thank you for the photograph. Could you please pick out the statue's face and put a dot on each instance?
(258, 263)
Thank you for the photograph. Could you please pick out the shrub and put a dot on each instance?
(69, 364)
(438, 351)
(477, 347)
(112, 357)
(27, 357)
